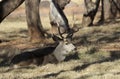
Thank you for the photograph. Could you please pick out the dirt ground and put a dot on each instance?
(98, 47)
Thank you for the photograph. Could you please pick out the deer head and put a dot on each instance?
(63, 49)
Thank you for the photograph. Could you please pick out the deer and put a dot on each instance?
(55, 54)
(50, 54)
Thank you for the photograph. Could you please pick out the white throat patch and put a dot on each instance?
(62, 50)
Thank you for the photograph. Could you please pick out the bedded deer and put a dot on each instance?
(49, 54)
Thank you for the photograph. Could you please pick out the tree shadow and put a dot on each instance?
(105, 23)
(12, 56)
(100, 74)
(114, 55)
(73, 56)
(109, 38)
(53, 74)
(49, 75)
(86, 39)
(82, 40)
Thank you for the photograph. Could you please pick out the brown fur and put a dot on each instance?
(35, 57)
(43, 55)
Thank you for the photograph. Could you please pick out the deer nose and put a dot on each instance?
(75, 49)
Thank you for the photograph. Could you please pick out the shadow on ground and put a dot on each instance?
(115, 55)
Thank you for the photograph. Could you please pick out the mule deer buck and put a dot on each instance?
(48, 54)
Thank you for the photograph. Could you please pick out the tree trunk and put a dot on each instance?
(111, 9)
(32, 12)
(106, 9)
(86, 21)
(118, 8)
(33, 20)
(91, 10)
(114, 9)
(8, 6)
(102, 17)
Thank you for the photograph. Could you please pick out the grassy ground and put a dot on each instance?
(74, 69)
(98, 49)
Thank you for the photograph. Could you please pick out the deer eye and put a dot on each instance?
(66, 43)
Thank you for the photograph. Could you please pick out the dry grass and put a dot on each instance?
(74, 69)
(93, 63)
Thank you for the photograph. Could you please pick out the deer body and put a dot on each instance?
(43, 55)
(31, 57)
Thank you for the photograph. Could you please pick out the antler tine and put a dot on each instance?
(60, 33)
